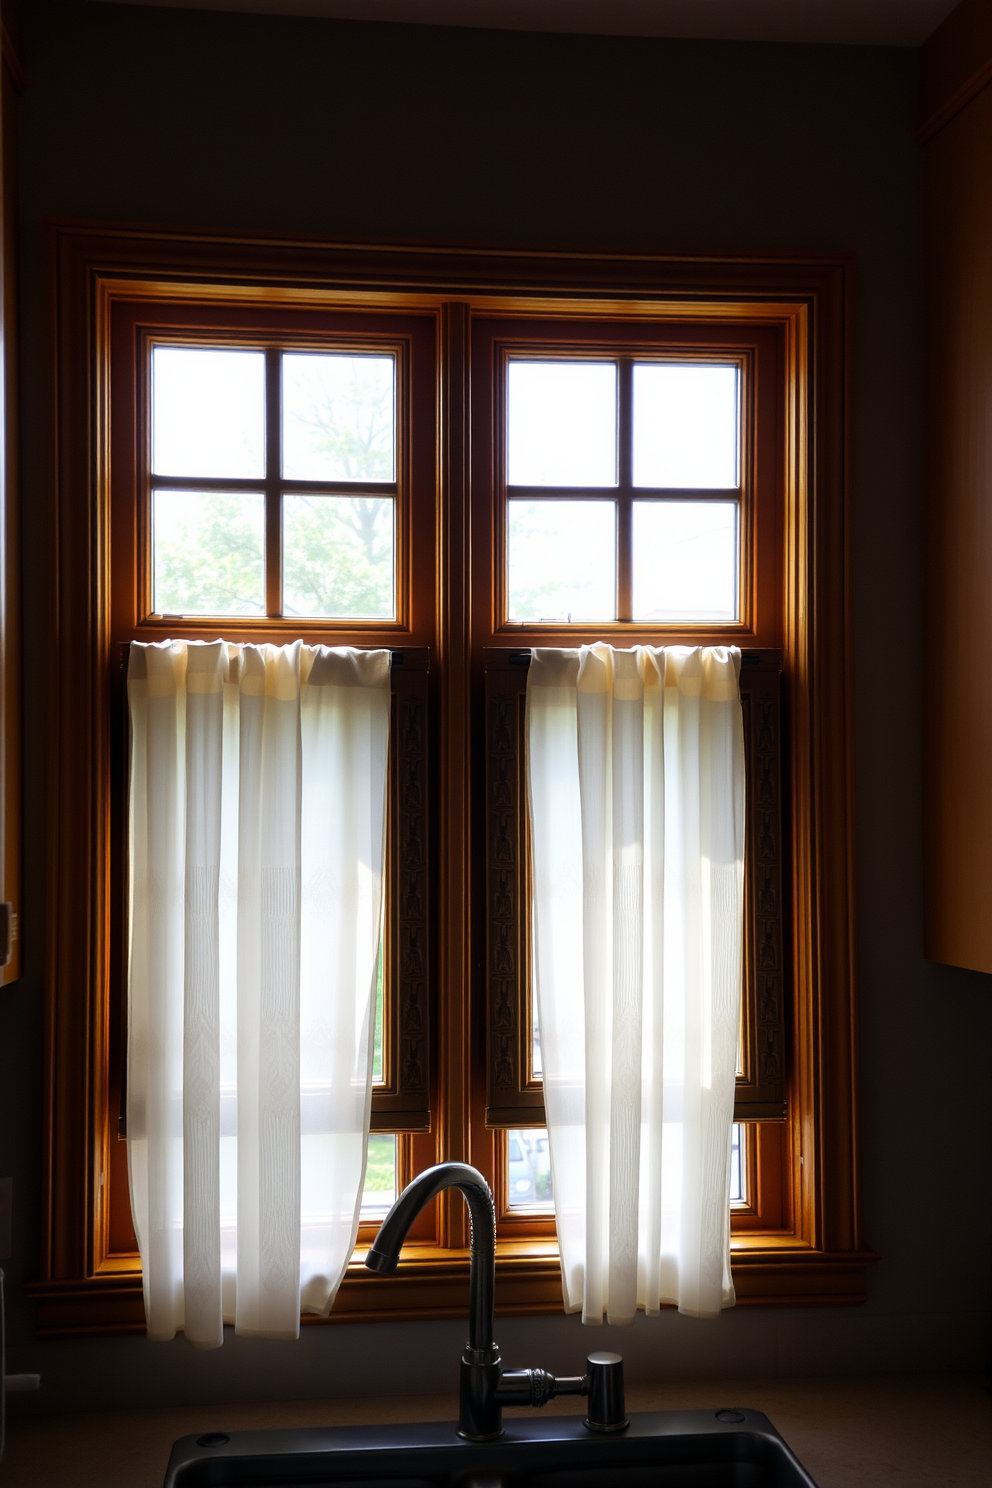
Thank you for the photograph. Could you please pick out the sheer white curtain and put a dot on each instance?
(257, 839)
(635, 765)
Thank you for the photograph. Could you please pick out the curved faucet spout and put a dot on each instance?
(385, 1252)
(484, 1387)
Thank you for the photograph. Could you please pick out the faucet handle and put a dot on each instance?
(606, 1408)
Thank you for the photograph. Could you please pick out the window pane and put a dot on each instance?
(685, 560)
(562, 424)
(562, 560)
(536, 1057)
(685, 425)
(380, 1176)
(339, 414)
(377, 1026)
(528, 1162)
(738, 1188)
(208, 412)
(208, 552)
(338, 556)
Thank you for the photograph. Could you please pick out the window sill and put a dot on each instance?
(769, 1270)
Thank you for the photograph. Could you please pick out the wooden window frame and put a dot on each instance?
(11, 719)
(817, 1254)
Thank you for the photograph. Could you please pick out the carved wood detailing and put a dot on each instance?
(11, 784)
(511, 1095)
(403, 1102)
(454, 803)
(761, 1088)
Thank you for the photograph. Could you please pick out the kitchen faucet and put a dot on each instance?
(484, 1385)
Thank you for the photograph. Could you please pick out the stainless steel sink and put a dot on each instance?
(665, 1449)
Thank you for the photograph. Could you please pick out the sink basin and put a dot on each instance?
(663, 1449)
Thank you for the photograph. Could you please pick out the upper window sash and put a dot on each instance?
(603, 455)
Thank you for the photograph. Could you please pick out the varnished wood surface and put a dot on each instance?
(958, 543)
(10, 536)
(956, 64)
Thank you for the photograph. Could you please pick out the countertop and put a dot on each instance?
(893, 1431)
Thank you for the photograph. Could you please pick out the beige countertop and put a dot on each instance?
(893, 1431)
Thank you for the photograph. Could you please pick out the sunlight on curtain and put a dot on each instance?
(636, 781)
(257, 840)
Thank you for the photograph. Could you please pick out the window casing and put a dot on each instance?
(454, 310)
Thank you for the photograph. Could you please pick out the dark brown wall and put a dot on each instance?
(218, 120)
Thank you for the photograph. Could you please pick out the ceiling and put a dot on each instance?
(858, 22)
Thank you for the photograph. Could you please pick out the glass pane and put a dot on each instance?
(338, 556)
(377, 1027)
(536, 1057)
(562, 424)
(685, 425)
(685, 560)
(738, 1191)
(562, 560)
(380, 1176)
(207, 552)
(208, 412)
(339, 414)
(528, 1164)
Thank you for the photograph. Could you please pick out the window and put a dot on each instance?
(623, 489)
(273, 482)
(268, 489)
(529, 1185)
(601, 445)
(270, 485)
(458, 331)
